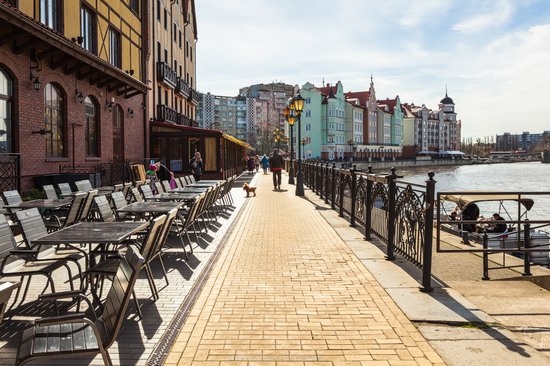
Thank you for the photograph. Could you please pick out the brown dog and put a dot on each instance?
(249, 189)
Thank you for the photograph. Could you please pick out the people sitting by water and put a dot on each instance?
(499, 227)
(470, 213)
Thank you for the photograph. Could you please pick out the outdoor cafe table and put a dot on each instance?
(42, 203)
(92, 233)
(177, 196)
(189, 190)
(158, 208)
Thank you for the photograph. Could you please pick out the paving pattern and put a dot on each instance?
(286, 290)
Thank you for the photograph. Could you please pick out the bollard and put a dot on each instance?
(527, 255)
(485, 257)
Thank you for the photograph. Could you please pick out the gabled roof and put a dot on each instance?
(362, 96)
(328, 90)
(390, 103)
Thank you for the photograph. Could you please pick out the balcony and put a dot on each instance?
(167, 75)
(183, 120)
(183, 87)
(166, 114)
(193, 97)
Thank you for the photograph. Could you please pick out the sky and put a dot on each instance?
(493, 56)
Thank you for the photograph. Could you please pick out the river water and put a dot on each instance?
(505, 177)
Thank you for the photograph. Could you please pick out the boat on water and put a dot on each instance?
(512, 229)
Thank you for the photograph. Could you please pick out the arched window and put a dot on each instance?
(6, 103)
(92, 127)
(53, 120)
(118, 133)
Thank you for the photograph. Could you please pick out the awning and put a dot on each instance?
(167, 127)
(237, 141)
(465, 199)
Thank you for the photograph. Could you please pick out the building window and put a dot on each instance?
(51, 14)
(180, 38)
(114, 48)
(53, 120)
(87, 29)
(165, 19)
(6, 103)
(175, 33)
(134, 5)
(118, 135)
(158, 10)
(92, 127)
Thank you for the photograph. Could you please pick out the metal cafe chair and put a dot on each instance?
(64, 189)
(49, 190)
(166, 185)
(75, 335)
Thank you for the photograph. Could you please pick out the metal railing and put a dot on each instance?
(517, 239)
(10, 172)
(166, 74)
(400, 214)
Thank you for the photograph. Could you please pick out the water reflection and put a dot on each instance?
(523, 177)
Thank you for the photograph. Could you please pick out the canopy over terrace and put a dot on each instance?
(464, 199)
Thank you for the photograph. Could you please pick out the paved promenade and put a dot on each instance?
(288, 290)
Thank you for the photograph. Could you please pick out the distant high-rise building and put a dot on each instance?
(521, 141)
(232, 115)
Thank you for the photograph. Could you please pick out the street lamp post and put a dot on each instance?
(277, 134)
(297, 105)
(303, 142)
(290, 120)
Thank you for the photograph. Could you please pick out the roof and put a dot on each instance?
(327, 90)
(447, 100)
(362, 96)
(391, 103)
(464, 199)
(203, 131)
(237, 141)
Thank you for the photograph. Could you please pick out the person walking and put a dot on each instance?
(276, 167)
(257, 163)
(265, 164)
(250, 165)
(196, 166)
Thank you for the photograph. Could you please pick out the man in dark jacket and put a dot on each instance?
(276, 166)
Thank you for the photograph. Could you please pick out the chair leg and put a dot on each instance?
(151, 279)
(136, 302)
(163, 269)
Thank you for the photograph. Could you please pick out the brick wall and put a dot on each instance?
(28, 116)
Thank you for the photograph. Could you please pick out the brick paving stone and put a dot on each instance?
(286, 278)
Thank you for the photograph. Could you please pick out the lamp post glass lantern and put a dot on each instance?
(290, 120)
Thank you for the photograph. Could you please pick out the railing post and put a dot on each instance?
(392, 192)
(327, 175)
(428, 235)
(333, 187)
(341, 190)
(317, 175)
(321, 179)
(527, 255)
(368, 205)
(353, 196)
(485, 257)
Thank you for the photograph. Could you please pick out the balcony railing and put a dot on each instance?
(167, 75)
(193, 97)
(183, 120)
(183, 87)
(166, 114)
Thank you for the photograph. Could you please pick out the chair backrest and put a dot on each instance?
(118, 187)
(136, 194)
(50, 192)
(74, 210)
(32, 225)
(118, 200)
(104, 209)
(180, 182)
(7, 241)
(193, 211)
(163, 233)
(64, 189)
(126, 189)
(147, 192)
(12, 197)
(87, 206)
(150, 241)
(159, 186)
(81, 185)
(166, 185)
(110, 321)
(187, 179)
(191, 179)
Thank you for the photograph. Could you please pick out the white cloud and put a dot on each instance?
(494, 14)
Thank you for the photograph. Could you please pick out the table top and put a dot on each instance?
(177, 196)
(42, 203)
(150, 207)
(95, 232)
(187, 189)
